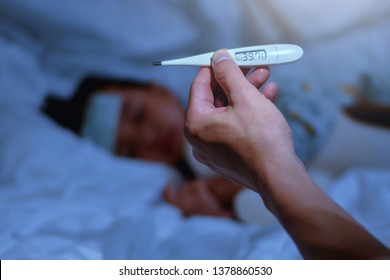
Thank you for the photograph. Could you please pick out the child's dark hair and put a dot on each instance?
(70, 113)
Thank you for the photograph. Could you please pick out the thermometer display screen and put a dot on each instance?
(256, 55)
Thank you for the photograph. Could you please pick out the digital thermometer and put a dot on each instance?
(245, 57)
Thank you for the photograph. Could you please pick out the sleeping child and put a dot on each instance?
(145, 121)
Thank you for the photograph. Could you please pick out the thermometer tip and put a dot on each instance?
(157, 63)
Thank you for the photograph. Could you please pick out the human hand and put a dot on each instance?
(250, 142)
(195, 198)
(224, 190)
(236, 140)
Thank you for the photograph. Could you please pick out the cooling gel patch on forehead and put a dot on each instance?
(101, 119)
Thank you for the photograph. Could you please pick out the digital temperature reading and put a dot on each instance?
(256, 55)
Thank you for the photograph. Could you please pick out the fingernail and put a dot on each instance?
(219, 56)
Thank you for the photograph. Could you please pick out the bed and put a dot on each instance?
(63, 198)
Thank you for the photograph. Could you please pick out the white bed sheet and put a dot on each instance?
(63, 198)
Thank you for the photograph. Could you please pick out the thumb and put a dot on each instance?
(227, 74)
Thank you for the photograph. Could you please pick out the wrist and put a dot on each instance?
(275, 174)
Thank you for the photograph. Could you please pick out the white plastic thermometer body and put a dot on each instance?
(246, 57)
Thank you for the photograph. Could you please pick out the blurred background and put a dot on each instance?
(48, 47)
(341, 39)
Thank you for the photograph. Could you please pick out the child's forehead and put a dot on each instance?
(147, 95)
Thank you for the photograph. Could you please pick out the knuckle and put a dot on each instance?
(197, 127)
(191, 129)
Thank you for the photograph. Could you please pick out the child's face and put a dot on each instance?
(151, 124)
